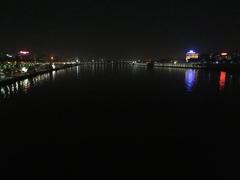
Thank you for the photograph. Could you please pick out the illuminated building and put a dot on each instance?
(24, 56)
(223, 56)
(24, 53)
(191, 55)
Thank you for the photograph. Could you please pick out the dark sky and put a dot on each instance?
(118, 28)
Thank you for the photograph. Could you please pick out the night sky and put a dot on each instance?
(118, 28)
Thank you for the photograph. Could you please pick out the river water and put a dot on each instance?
(113, 120)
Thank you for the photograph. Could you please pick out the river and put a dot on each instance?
(108, 120)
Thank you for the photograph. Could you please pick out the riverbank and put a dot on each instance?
(193, 66)
(36, 72)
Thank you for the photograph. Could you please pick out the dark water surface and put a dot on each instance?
(121, 121)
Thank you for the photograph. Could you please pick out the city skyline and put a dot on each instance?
(120, 28)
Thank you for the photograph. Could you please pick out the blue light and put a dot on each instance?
(190, 78)
(191, 52)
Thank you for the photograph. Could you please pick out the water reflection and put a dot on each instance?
(24, 86)
(103, 68)
(184, 80)
(53, 75)
(222, 80)
(190, 79)
(215, 81)
(78, 72)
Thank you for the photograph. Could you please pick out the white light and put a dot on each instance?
(24, 69)
(8, 55)
(191, 52)
(24, 52)
(53, 66)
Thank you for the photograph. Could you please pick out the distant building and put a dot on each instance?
(25, 56)
(191, 55)
(205, 57)
(49, 58)
(43, 58)
(223, 56)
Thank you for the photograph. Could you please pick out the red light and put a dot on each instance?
(222, 80)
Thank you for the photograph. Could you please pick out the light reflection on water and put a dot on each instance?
(189, 80)
(77, 71)
(95, 69)
(222, 80)
(53, 75)
(24, 86)
(196, 80)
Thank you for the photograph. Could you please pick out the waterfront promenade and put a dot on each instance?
(15, 72)
(192, 65)
(12, 72)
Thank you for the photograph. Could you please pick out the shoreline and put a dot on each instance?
(232, 67)
(14, 79)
